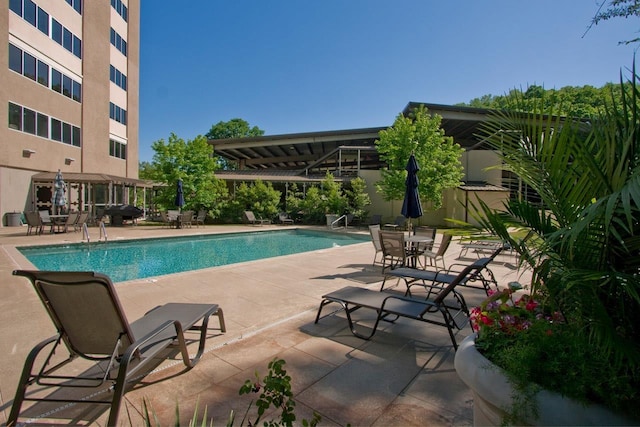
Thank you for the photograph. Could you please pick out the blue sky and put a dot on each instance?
(302, 66)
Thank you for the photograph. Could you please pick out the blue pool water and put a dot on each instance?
(137, 259)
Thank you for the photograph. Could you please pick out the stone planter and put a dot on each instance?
(492, 396)
(331, 218)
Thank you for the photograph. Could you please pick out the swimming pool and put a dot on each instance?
(138, 259)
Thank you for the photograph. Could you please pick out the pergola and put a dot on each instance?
(89, 191)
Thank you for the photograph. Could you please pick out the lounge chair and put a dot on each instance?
(446, 302)
(482, 277)
(374, 230)
(375, 220)
(91, 324)
(400, 223)
(285, 219)
(251, 219)
(34, 222)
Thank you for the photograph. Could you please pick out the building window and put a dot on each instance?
(43, 73)
(117, 77)
(77, 47)
(33, 68)
(120, 8)
(15, 59)
(75, 136)
(76, 5)
(118, 114)
(77, 91)
(16, 7)
(117, 149)
(29, 66)
(43, 21)
(56, 80)
(29, 13)
(42, 125)
(118, 42)
(56, 129)
(29, 121)
(66, 86)
(15, 116)
(56, 31)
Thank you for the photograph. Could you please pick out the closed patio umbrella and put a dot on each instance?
(411, 207)
(59, 200)
(179, 202)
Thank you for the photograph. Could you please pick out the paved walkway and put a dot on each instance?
(403, 376)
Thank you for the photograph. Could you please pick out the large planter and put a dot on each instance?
(492, 396)
(331, 218)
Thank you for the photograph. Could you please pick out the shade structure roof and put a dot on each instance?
(91, 178)
(344, 151)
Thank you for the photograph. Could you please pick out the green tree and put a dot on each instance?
(617, 9)
(358, 198)
(438, 157)
(192, 162)
(572, 101)
(259, 197)
(234, 128)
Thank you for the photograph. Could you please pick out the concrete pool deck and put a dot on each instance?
(403, 376)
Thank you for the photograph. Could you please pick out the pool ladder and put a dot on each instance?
(335, 223)
(103, 232)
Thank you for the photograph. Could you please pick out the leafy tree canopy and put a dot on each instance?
(234, 128)
(192, 162)
(571, 101)
(437, 155)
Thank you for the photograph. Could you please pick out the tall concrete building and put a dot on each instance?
(70, 81)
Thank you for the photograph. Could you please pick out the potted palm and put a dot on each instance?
(576, 329)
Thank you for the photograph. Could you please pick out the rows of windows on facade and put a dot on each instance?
(48, 25)
(29, 121)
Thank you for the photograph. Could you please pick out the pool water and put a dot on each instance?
(138, 259)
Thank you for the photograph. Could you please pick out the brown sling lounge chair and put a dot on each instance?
(91, 324)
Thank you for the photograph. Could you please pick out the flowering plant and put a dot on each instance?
(499, 313)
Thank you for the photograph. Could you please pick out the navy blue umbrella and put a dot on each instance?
(179, 202)
(411, 207)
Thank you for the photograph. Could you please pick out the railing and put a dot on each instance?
(335, 223)
(85, 232)
(103, 231)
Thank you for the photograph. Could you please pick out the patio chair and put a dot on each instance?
(83, 218)
(394, 250)
(70, 221)
(34, 223)
(251, 219)
(200, 217)
(45, 219)
(285, 219)
(438, 254)
(446, 302)
(91, 324)
(186, 219)
(374, 230)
